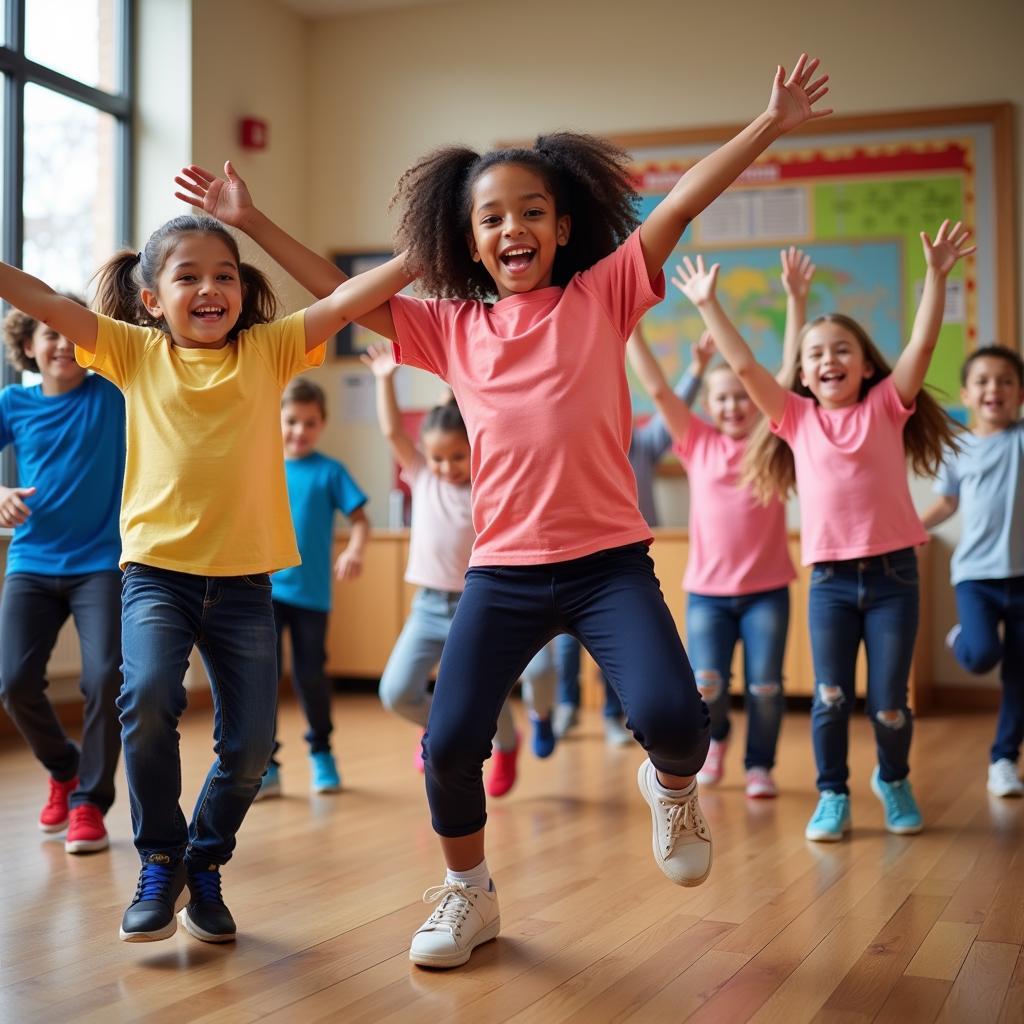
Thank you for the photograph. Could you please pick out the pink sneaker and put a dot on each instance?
(714, 765)
(54, 815)
(760, 784)
(503, 773)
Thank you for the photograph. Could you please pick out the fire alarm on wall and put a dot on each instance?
(253, 133)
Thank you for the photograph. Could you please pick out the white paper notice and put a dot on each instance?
(357, 398)
(956, 300)
(754, 215)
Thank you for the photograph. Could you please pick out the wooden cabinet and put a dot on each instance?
(369, 612)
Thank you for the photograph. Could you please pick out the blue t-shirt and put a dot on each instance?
(986, 476)
(317, 486)
(69, 447)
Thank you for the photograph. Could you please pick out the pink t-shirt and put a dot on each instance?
(441, 536)
(851, 476)
(540, 379)
(737, 545)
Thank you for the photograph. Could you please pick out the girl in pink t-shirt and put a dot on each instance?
(541, 271)
(842, 433)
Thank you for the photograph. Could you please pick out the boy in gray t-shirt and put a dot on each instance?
(985, 481)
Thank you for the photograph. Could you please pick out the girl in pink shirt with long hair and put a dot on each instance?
(842, 432)
(541, 271)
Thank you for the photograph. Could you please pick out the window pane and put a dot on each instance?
(75, 37)
(69, 200)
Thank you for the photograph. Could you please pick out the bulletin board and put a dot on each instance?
(854, 192)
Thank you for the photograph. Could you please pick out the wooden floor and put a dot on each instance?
(326, 895)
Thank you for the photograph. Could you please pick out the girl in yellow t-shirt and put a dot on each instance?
(190, 339)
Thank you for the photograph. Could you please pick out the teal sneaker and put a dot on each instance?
(902, 816)
(831, 818)
(270, 784)
(325, 777)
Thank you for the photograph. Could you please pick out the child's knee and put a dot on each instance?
(672, 727)
(831, 699)
(768, 692)
(710, 684)
(896, 719)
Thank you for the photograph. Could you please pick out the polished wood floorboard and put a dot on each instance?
(326, 894)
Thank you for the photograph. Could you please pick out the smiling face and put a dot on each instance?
(302, 423)
(993, 392)
(516, 229)
(729, 406)
(198, 291)
(55, 357)
(447, 455)
(832, 365)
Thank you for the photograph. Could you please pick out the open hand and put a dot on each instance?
(704, 350)
(793, 98)
(349, 566)
(380, 360)
(797, 272)
(13, 510)
(948, 247)
(225, 198)
(696, 282)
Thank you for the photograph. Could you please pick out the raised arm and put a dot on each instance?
(672, 408)
(941, 256)
(944, 508)
(698, 285)
(228, 200)
(383, 366)
(42, 303)
(790, 105)
(797, 274)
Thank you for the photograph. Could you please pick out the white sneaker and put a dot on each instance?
(564, 718)
(1003, 780)
(951, 636)
(760, 784)
(465, 917)
(681, 837)
(616, 734)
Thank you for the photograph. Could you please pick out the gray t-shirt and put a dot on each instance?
(986, 476)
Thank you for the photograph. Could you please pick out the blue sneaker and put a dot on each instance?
(325, 772)
(543, 736)
(831, 818)
(902, 816)
(270, 785)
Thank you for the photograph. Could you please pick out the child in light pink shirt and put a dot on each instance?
(843, 432)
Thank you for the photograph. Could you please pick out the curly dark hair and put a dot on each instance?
(1008, 356)
(120, 280)
(18, 330)
(587, 176)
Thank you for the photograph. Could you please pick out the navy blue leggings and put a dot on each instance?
(612, 603)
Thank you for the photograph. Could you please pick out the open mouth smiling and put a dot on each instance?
(518, 258)
(208, 312)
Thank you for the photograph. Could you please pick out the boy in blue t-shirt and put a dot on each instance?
(68, 434)
(317, 487)
(985, 481)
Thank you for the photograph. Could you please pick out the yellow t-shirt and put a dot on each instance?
(204, 483)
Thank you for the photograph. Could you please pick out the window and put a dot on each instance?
(67, 68)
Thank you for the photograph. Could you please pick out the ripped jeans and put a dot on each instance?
(875, 600)
(760, 621)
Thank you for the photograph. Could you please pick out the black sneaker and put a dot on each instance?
(206, 917)
(150, 916)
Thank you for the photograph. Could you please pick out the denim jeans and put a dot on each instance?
(875, 600)
(713, 625)
(32, 611)
(983, 605)
(231, 620)
(567, 654)
(612, 603)
(308, 629)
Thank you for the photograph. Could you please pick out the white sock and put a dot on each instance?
(479, 876)
(673, 794)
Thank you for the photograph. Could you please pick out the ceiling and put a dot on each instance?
(335, 8)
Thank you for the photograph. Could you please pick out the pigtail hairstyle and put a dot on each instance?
(587, 176)
(445, 418)
(928, 436)
(119, 282)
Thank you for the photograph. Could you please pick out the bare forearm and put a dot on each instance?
(943, 509)
(315, 273)
(646, 367)
(796, 317)
(40, 301)
(359, 534)
(389, 417)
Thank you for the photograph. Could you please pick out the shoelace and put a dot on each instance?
(58, 795)
(898, 800)
(153, 881)
(682, 817)
(829, 811)
(85, 812)
(205, 886)
(454, 906)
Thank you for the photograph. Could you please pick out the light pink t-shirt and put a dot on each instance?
(441, 535)
(737, 545)
(851, 476)
(540, 379)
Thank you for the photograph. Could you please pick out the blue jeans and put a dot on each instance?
(875, 600)
(308, 629)
(713, 625)
(612, 603)
(567, 654)
(231, 620)
(33, 609)
(983, 605)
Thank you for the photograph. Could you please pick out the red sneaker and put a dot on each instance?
(503, 773)
(86, 832)
(54, 816)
